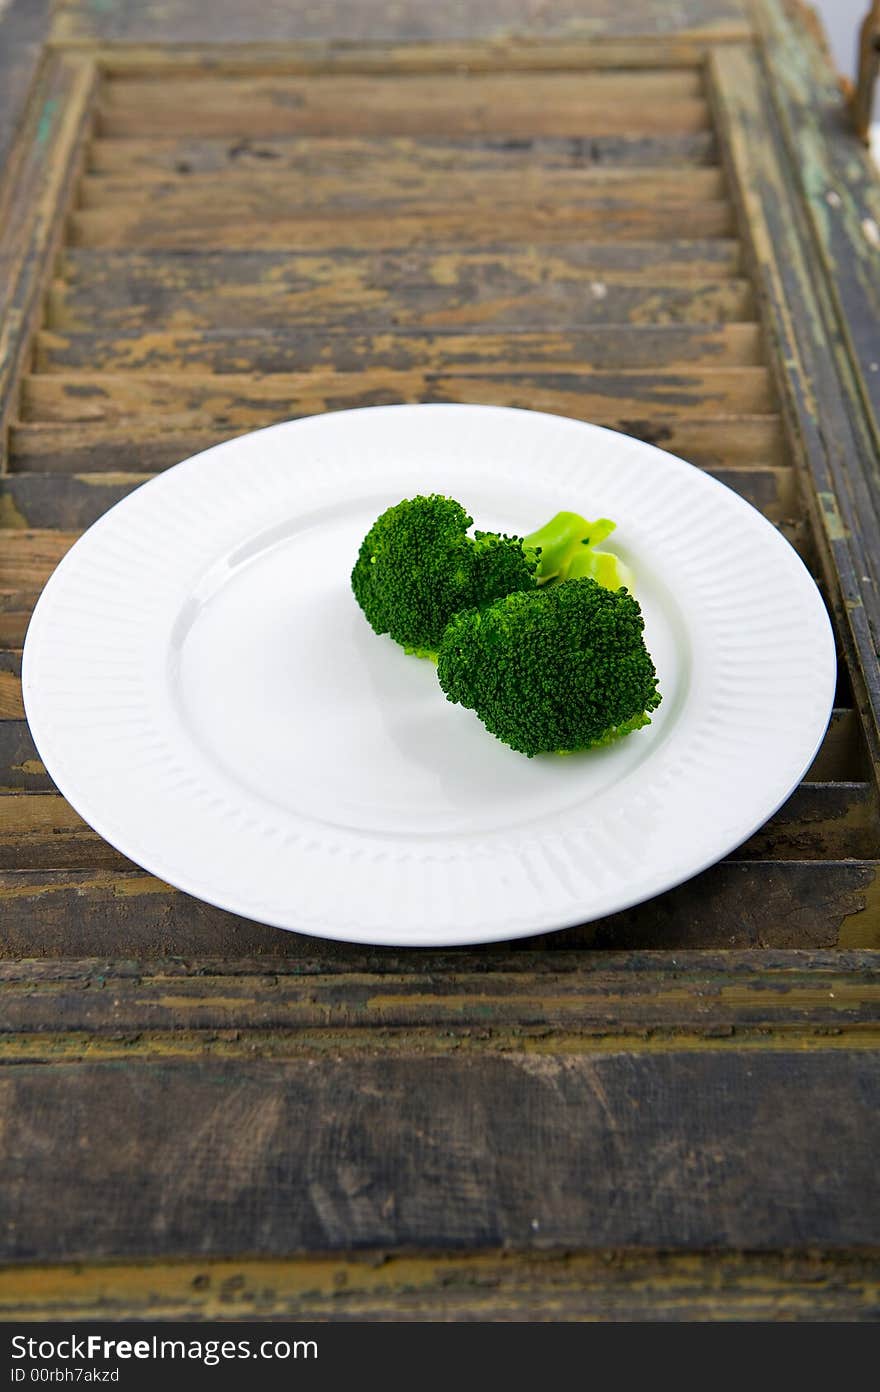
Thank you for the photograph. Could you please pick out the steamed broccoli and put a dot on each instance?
(418, 567)
(552, 670)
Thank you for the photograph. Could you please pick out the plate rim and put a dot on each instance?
(412, 937)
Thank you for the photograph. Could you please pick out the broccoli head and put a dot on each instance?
(552, 670)
(417, 566)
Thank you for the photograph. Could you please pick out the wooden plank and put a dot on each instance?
(829, 821)
(27, 558)
(736, 904)
(11, 705)
(24, 25)
(840, 759)
(823, 820)
(555, 288)
(840, 191)
(74, 501)
(377, 21)
(833, 438)
(16, 606)
(545, 1153)
(842, 754)
(447, 104)
(141, 446)
(474, 222)
(284, 348)
(198, 401)
(266, 194)
(158, 158)
(504, 1286)
(32, 201)
(21, 768)
(282, 1008)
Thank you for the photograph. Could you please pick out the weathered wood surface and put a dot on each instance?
(157, 158)
(387, 1002)
(140, 446)
(199, 401)
(840, 190)
(608, 347)
(498, 1286)
(736, 904)
(34, 189)
(561, 287)
(74, 501)
(684, 1151)
(820, 395)
(520, 105)
(379, 21)
(475, 224)
(267, 194)
(24, 25)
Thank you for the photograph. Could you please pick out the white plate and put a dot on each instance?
(204, 690)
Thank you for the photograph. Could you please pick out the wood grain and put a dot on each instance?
(146, 444)
(736, 904)
(378, 21)
(834, 438)
(502, 1286)
(607, 347)
(157, 158)
(198, 401)
(74, 501)
(266, 194)
(448, 104)
(473, 223)
(558, 288)
(676, 1151)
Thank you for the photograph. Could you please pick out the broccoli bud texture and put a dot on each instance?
(418, 566)
(557, 669)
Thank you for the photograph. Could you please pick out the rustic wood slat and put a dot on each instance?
(27, 558)
(180, 22)
(74, 501)
(158, 158)
(448, 104)
(560, 288)
(33, 195)
(142, 446)
(826, 820)
(453, 1153)
(473, 223)
(832, 432)
(199, 401)
(377, 1286)
(266, 194)
(286, 349)
(843, 754)
(735, 904)
(48, 1005)
(840, 192)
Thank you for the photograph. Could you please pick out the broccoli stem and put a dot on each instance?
(559, 541)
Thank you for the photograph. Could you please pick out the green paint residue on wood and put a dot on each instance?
(833, 522)
(47, 116)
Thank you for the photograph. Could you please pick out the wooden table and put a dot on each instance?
(649, 215)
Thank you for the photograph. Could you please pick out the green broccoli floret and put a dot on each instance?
(552, 670)
(417, 566)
